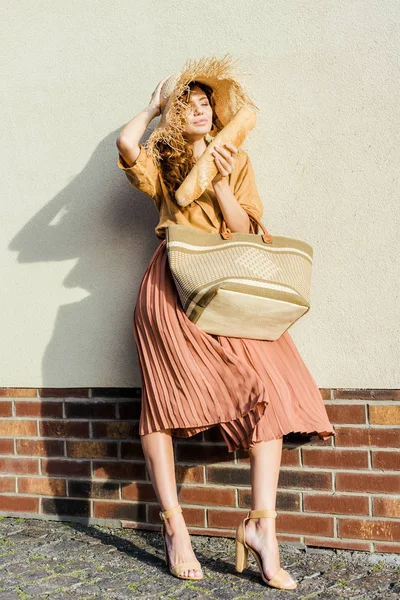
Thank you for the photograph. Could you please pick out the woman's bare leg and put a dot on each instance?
(265, 461)
(159, 454)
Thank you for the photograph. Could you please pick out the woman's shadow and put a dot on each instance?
(105, 229)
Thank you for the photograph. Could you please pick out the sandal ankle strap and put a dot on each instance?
(166, 514)
(259, 514)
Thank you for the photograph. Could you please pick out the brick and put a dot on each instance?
(305, 524)
(287, 501)
(19, 504)
(115, 430)
(368, 436)
(335, 458)
(336, 503)
(368, 482)
(228, 475)
(291, 539)
(305, 479)
(384, 414)
(129, 410)
(40, 409)
(63, 392)
(90, 409)
(366, 529)
(381, 547)
(207, 495)
(8, 484)
(131, 450)
(346, 413)
(12, 428)
(336, 543)
(190, 474)
(6, 446)
(67, 468)
(386, 507)
(119, 470)
(142, 492)
(242, 456)
(211, 532)
(64, 429)
(316, 441)
(225, 519)
(193, 516)
(290, 458)
(189, 452)
(65, 506)
(40, 447)
(92, 449)
(6, 409)
(388, 460)
(325, 393)
(22, 466)
(18, 392)
(43, 486)
(119, 510)
(80, 488)
(367, 394)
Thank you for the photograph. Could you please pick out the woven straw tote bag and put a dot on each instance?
(243, 285)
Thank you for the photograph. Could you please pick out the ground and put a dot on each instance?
(54, 559)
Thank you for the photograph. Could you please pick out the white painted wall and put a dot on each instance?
(76, 237)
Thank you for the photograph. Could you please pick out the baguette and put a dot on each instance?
(204, 171)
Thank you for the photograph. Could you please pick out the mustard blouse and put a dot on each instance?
(203, 213)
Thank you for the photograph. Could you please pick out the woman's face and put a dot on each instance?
(199, 114)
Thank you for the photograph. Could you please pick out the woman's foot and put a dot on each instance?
(179, 546)
(260, 535)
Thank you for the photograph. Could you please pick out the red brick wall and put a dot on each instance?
(75, 454)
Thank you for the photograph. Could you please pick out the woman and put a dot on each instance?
(255, 391)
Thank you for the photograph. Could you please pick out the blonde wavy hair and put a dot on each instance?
(176, 165)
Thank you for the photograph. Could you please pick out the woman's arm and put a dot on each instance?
(237, 219)
(129, 138)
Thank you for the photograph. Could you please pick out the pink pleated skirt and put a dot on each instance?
(253, 390)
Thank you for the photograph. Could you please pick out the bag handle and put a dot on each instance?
(227, 234)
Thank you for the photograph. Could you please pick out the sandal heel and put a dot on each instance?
(242, 550)
(241, 556)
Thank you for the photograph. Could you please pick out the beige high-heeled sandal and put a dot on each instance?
(179, 568)
(242, 550)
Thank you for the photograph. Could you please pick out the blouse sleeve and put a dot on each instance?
(246, 193)
(143, 174)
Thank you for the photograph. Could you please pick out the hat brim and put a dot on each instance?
(229, 95)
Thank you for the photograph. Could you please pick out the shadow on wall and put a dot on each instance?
(106, 227)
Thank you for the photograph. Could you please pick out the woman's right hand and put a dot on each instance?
(155, 101)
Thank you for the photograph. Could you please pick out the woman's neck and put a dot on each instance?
(198, 147)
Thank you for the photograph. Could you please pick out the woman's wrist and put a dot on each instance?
(221, 183)
(152, 110)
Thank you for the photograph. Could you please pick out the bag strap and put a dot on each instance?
(227, 234)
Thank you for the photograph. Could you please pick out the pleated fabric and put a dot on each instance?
(253, 390)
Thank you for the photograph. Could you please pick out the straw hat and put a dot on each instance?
(222, 75)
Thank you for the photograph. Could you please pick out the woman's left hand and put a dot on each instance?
(224, 157)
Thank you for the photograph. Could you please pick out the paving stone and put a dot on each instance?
(56, 560)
